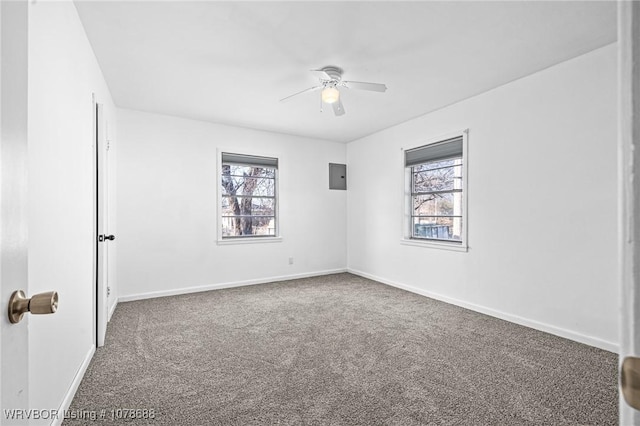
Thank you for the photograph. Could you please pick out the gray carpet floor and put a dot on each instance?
(338, 350)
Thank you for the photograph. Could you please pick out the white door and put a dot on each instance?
(14, 392)
(629, 148)
(103, 238)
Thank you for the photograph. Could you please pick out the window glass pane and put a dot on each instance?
(227, 207)
(248, 226)
(437, 179)
(236, 170)
(437, 164)
(247, 185)
(248, 206)
(262, 187)
(441, 228)
(443, 204)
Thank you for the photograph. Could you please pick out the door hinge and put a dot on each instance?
(108, 291)
(108, 145)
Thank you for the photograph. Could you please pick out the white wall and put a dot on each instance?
(542, 203)
(63, 74)
(167, 194)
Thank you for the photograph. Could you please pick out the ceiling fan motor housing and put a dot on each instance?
(335, 73)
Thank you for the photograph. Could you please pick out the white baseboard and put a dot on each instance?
(112, 309)
(68, 398)
(567, 334)
(187, 290)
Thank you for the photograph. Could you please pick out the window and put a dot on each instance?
(436, 209)
(249, 198)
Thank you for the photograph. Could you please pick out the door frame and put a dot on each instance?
(14, 351)
(629, 188)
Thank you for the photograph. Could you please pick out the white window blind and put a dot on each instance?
(450, 148)
(249, 160)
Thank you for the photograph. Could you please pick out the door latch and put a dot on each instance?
(103, 237)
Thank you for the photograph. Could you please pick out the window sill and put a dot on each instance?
(249, 240)
(434, 244)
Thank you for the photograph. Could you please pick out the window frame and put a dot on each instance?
(246, 239)
(407, 197)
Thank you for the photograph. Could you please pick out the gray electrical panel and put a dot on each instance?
(337, 176)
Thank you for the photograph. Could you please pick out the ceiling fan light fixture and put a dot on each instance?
(330, 95)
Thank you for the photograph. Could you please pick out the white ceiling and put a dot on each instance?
(231, 62)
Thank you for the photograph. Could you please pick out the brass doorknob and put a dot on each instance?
(38, 304)
(630, 381)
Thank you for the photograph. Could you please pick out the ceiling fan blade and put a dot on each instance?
(361, 85)
(311, 89)
(338, 109)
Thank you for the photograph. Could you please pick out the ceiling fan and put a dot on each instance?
(330, 82)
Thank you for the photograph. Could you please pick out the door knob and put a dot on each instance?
(630, 381)
(38, 304)
(103, 237)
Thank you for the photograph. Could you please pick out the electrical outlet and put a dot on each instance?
(291, 261)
